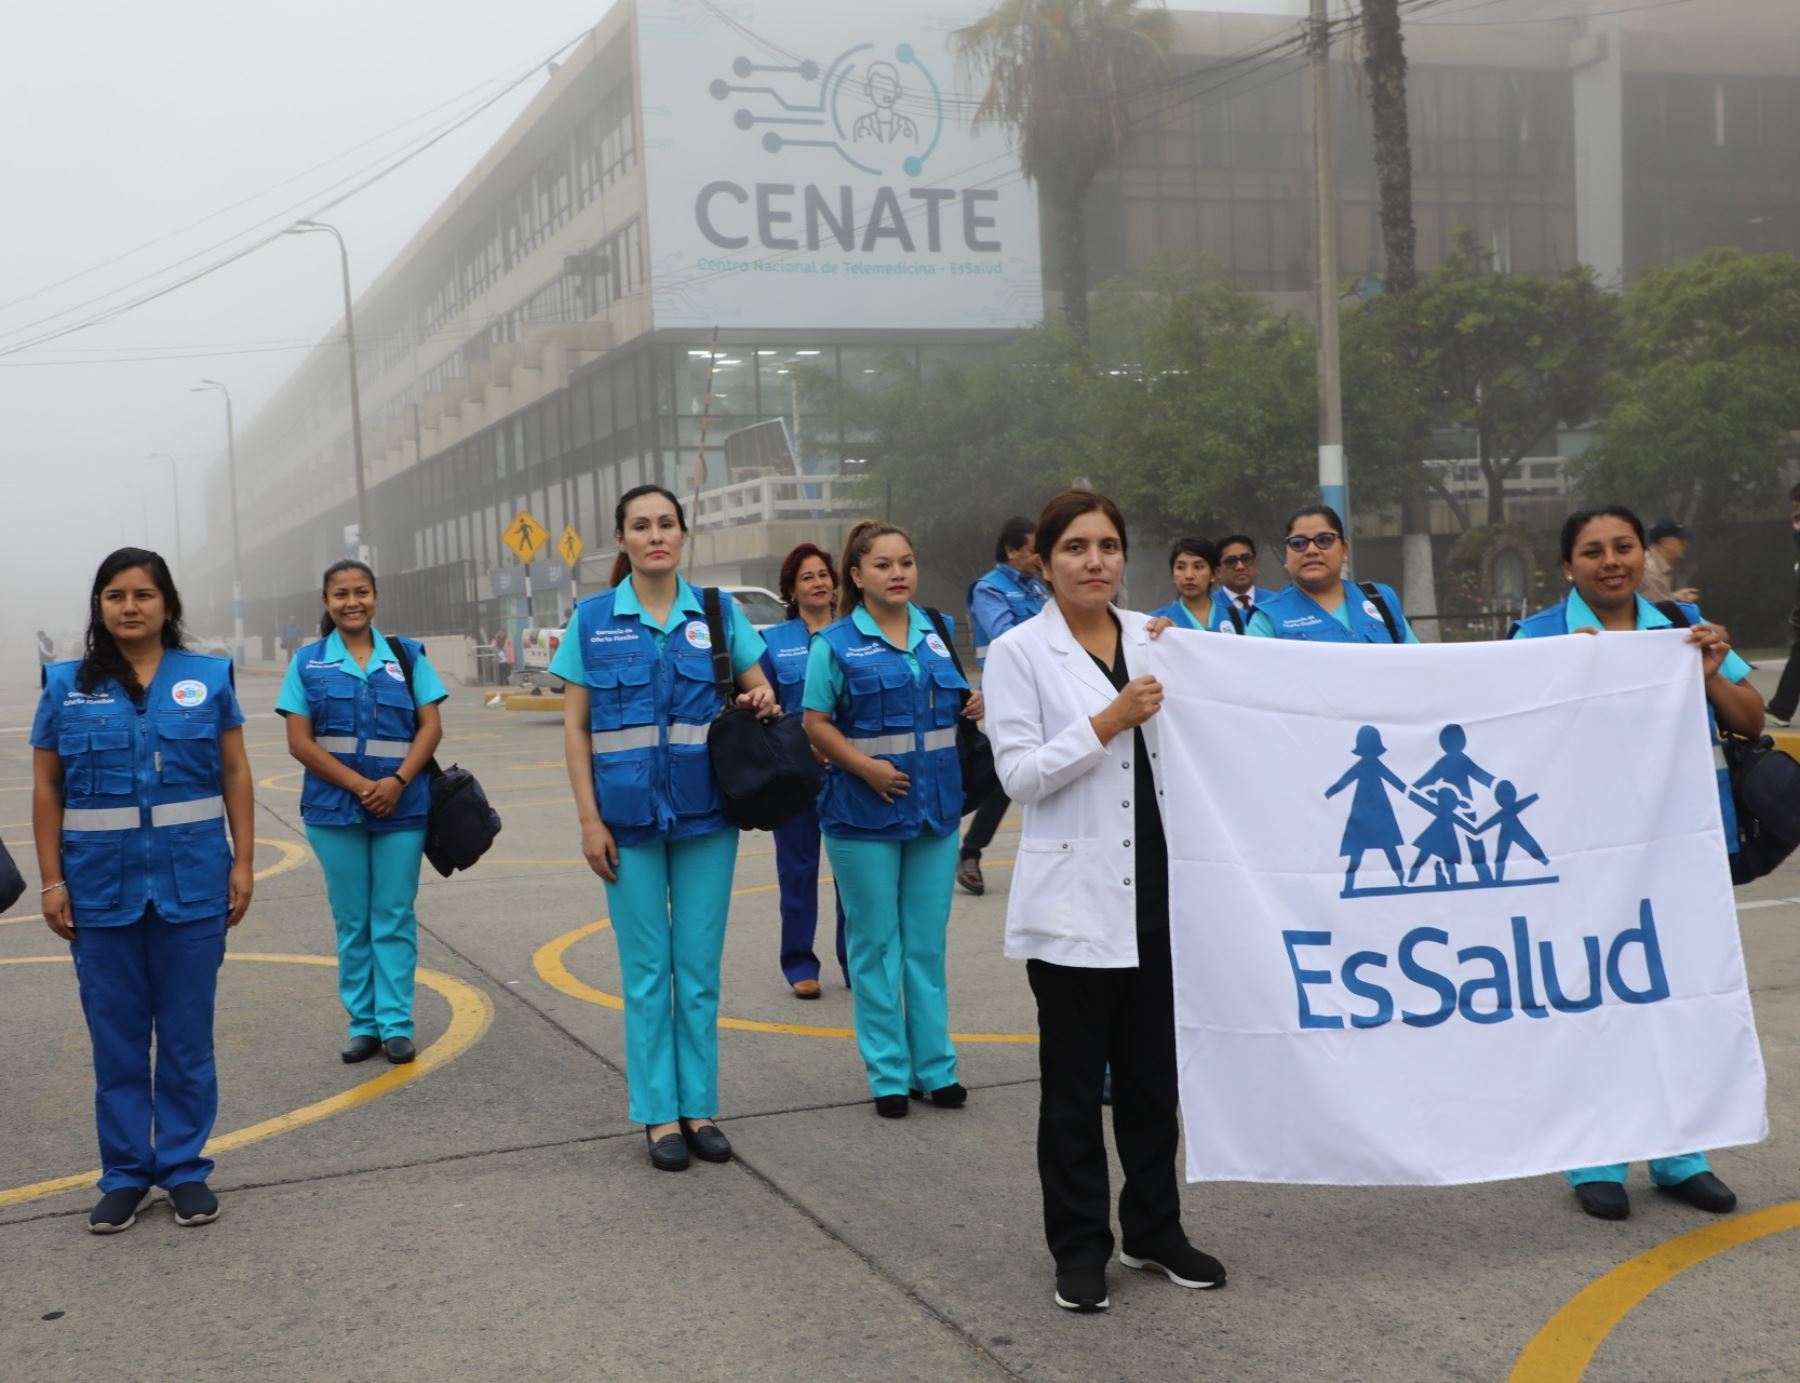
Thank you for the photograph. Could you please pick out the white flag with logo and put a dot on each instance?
(1449, 914)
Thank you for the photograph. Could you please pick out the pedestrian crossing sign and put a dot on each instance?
(525, 536)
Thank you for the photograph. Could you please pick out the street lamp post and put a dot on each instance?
(356, 439)
(237, 552)
(175, 491)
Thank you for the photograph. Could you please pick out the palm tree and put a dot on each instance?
(1060, 75)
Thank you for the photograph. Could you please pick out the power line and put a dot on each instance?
(1546, 19)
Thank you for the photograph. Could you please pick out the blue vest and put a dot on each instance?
(1184, 618)
(143, 803)
(1549, 623)
(366, 724)
(784, 665)
(888, 715)
(648, 714)
(1024, 595)
(1296, 615)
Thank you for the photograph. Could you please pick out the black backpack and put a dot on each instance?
(461, 825)
(766, 770)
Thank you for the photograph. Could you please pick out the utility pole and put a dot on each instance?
(364, 542)
(237, 550)
(1333, 487)
(175, 492)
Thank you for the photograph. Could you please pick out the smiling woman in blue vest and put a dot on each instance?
(882, 701)
(1322, 607)
(364, 728)
(1603, 558)
(638, 700)
(138, 764)
(809, 589)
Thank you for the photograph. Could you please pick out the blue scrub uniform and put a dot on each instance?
(999, 600)
(365, 718)
(651, 698)
(148, 868)
(1292, 614)
(797, 842)
(1178, 611)
(1575, 613)
(895, 862)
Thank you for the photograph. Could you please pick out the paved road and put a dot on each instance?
(489, 1213)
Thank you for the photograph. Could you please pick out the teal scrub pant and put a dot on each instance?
(668, 916)
(896, 911)
(1664, 1171)
(372, 880)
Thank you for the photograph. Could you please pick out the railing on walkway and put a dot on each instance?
(772, 497)
(1475, 627)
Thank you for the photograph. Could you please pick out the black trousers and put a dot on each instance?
(1787, 695)
(1086, 1018)
(984, 823)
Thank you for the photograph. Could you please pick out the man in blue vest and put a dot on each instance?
(1007, 596)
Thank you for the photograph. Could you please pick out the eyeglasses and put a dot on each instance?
(1325, 541)
(1242, 559)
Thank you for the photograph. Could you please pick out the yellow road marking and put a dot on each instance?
(273, 783)
(470, 1013)
(548, 961)
(1565, 1347)
(293, 855)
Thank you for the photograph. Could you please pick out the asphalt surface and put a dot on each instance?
(489, 1213)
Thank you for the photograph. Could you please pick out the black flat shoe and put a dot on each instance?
(951, 1096)
(1082, 1289)
(707, 1141)
(668, 1153)
(1605, 1200)
(400, 1050)
(891, 1106)
(118, 1210)
(1183, 1264)
(1704, 1191)
(360, 1049)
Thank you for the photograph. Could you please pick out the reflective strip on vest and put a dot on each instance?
(187, 813)
(1719, 761)
(688, 734)
(940, 739)
(101, 819)
(386, 749)
(981, 650)
(885, 744)
(337, 744)
(619, 741)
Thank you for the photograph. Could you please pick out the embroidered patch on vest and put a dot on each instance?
(188, 694)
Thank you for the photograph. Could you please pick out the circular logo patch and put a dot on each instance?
(393, 670)
(699, 636)
(1370, 610)
(936, 645)
(188, 694)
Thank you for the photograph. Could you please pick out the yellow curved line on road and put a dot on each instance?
(1565, 1347)
(548, 961)
(273, 782)
(293, 855)
(470, 1013)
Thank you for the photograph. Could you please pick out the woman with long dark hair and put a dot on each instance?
(362, 720)
(809, 588)
(138, 765)
(883, 697)
(638, 699)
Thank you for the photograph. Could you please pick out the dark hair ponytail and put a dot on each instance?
(101, 657)
(621, 567)
(326, 627)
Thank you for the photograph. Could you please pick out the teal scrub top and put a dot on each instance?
(825, 680)
(1581, 616)
(427, 687)
(1259, 626)
(741, 639)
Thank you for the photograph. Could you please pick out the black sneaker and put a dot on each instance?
(1704, 1191)
(195, 1204)
(1604, 1200)
(1082, 1289)
(1184, 1265)
(891, 1106)
(118, 1210)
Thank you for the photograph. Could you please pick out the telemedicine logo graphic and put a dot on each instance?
(867, 108)
(1454, 799)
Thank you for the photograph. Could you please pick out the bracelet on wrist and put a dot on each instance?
(51, 888)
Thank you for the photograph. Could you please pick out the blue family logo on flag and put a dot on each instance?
(188, 694)
(936, 645)
(1455, 798)
(699, 635)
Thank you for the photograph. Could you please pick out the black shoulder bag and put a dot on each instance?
(461, 825)
(973, 751)
(766, 770)
(1373, 593)
(1765, 791)
(12, 883)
